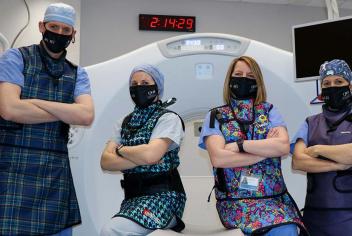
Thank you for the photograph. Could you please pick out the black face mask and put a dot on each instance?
(337, 98)
(56, 42)
(243, 87)
(143, 95)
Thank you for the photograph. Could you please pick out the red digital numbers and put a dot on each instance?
(181, 23)
(189, 23)
(154, 22)
(167, 23)
(172, 22)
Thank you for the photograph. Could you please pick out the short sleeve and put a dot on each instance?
(276, 118)
(169, 126)
(117, 132)
(302, 133)
(82, 83)
(11, 67)
(207, 131)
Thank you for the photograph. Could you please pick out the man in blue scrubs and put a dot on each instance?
(41, 94)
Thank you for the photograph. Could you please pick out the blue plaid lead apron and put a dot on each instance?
(152, 211)
(37, 195)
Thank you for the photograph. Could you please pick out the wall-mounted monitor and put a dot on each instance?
(317, 42)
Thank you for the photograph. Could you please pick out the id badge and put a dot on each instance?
(249, 182)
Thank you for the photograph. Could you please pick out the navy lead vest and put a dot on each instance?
(51, 136)
(329, 190)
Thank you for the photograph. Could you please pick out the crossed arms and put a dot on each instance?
(132, 156)
(306, 159)
(228, 156)
(34, 111)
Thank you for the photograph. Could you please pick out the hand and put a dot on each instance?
(312, 151)
(111, 147)
(273, 133)
(233, 147)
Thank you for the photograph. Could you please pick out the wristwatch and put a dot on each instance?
(117, 150)
(240, 145)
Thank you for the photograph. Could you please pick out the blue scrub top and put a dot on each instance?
(11, 70)
(302, 133)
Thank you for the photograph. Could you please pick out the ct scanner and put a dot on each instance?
(194, 66)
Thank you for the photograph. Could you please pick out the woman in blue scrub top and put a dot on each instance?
(323, 149)
(245, 140)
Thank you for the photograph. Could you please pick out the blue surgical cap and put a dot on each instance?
(335, 67)
(60, 12)
(154, 72)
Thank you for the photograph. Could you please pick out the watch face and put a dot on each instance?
(240, 145)
(167, 23)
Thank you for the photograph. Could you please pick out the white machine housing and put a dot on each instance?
(194, 66)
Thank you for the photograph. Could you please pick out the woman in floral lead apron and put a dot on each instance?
(245, 140)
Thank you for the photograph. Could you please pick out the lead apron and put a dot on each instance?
(37, 195)
(328, 206)
(255, 210)
(157, 210)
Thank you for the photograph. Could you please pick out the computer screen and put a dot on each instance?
(317, 42)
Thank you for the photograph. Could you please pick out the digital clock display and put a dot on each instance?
(167, 23)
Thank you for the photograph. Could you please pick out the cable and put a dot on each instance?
(28, 20)
(317, 99)
(333, 13)
(4, 44)
(333, 9)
